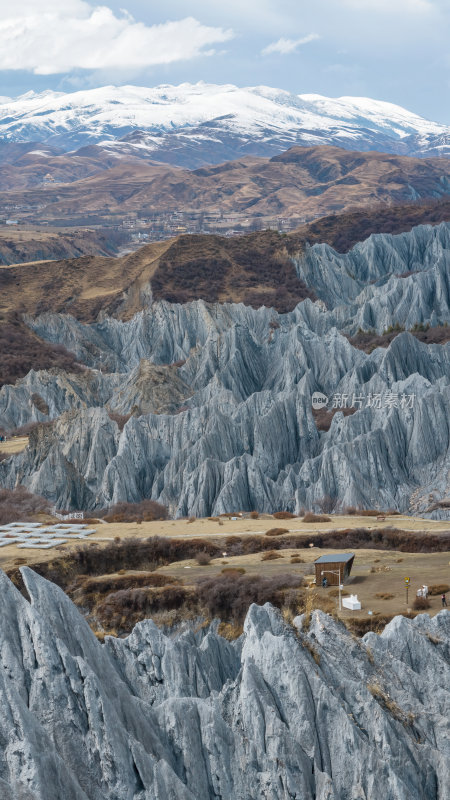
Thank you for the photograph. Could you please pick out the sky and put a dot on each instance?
(393, 50)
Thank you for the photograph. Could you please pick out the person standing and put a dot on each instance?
(444, 600)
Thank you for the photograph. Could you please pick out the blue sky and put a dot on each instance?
(395, 50)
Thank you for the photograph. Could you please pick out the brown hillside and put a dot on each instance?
(79, 286)
(369, 340)
(21, 350)
(304, 182)
(252, 269)
(19, 245)
(343, 231)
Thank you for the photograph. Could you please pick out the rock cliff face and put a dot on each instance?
(401, 279)
(284, 712)
(244, 435)
(220, 396)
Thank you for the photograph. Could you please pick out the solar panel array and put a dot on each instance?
(34, 535)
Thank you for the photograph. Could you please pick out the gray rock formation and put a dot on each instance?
(284, 712)
(364, 288)
(44, 395)
(221, 396)
(245, 436)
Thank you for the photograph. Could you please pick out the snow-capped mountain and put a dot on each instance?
(204, 123)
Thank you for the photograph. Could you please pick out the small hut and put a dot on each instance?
(335, 568)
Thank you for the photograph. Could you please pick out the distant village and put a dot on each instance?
(143, 226)
(166, 225)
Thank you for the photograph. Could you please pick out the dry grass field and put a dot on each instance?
(14, 445)
(86, 284)
(377, 576)
(219, 531)
(390, 567)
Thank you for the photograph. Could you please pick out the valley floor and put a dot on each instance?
(377, 576)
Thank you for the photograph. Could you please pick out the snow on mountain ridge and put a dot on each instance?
(267, 115)
(380, 112)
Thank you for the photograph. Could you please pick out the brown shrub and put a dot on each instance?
(347, 538)
(30, 427)
(128, 554)
(22, 350)
(438, 588)
(17, 505)
(40, 403)
(254, 515)
(421, 603)
(433, 639)
(311, 517)
(311, 650)
(144, 511)
(233, 539)
(230, 599)
(386, 701)
(276, 531)
(218, 269)
(83, 588)
(362, 512)
(203, 558)
(384, 595)
(122, 608)
(369, 340)
(232, 571)
(297, 560)
(283, 515)
(230, 630)
(324, 417)
(361, 625)
(270, 555)
(120, 419)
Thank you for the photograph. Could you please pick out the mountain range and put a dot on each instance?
(195, 124)
(302, 183)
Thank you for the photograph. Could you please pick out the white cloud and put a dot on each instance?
(286, 46)
(392, 6)
(62, 35)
